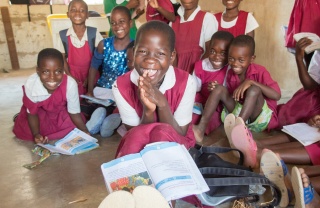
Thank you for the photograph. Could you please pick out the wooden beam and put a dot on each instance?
(10, 38)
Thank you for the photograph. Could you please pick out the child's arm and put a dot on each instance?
(153, 100)
(305, 78)
(78, 122)
(168, 15)
(266, 91)
(132, 4)
(33, 121)
(96, 62)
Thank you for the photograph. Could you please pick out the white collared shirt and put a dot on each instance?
(129, 115)
(251, 24)
(209, 25)
(76, 42)
(36, 92)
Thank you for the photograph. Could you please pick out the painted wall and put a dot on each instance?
(30, 37)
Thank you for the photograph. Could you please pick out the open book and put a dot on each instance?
(104, 102)
(315, 45)
(167, 166)
(75, 142)
(302, 132)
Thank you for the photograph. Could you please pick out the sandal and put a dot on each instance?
(303, 195)
(275, 170)
(229, 123)
(243, 141)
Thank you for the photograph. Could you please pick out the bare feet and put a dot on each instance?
(198, 134)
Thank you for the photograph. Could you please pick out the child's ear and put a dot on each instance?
(173, 56)
(130, 23)
(252, 58)
(38, 71)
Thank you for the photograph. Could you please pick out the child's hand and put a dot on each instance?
(301, 45)
(132, 4)
(212, 85)
(239, 92)
(153, 3)
(315, 121)
(39, 139)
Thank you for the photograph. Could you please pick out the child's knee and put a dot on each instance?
(253, 91)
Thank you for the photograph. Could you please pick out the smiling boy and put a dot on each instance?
(155, 100)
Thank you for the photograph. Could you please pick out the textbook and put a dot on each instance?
(104, 102)
(302, 132)
(76, 142)
(167, 166)
(315, 45)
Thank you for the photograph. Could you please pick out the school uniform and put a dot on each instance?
(153, 14)
(241, 25)
(79, 55)
(268, 117)
(178, 87)
(52, 109)
(204, 73)
(192, 34)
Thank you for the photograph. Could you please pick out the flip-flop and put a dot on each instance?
(229, 123)
(95, 122)
(109, 124)
(147, 196)
(243, 141)
(275, 170)
(303, 195)
(239, 120)
(118, 199)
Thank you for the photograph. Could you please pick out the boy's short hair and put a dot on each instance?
(244, 40)
(130, 45)
(49, 53)
(160, 27)
(222, 35)
(78, 1)
(122, 9)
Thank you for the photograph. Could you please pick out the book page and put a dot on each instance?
(54, 149)
(103, 93)
(302, 132)
(125, 173)
(173, 171)
(312, 36)
(75, 141)
(104, 102)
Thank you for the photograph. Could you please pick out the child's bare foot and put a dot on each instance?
(305, 196)
(198, 134)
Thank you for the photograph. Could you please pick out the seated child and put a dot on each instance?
(78, 43)
(193, 28)
(161, 10)
(51, 106)
(155, 99)
(305, 102)
(130, 64)
(296, 186)
(251, 93)
(236, 21)
(210, 72)
(111, 54)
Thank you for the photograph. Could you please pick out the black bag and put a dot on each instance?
(228, 181)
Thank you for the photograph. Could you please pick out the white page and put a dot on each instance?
(302, 132)
(171, 172)
(129, 168)
(103, 93)
(54, 149)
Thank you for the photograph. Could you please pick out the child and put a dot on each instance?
(130, 64)
(236, 21)
(132, 5)
(251, 93)
(155, 100)
(210, 72)
(306, 101)
(77, 44)
(111, 54)
(161, 10)
(193, 29)
(51, 106)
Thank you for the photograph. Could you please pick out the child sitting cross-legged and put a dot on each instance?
(251, 93)
(210, 72)
(155, 100)
(51, 107)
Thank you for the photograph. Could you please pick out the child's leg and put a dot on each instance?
(253, 104)
(272, 140)
(220, 93)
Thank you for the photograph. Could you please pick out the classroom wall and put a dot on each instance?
(31, 37)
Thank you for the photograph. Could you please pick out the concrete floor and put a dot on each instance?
(60, 179)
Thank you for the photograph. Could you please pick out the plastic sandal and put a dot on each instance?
(303, 195)
(242, 140)
(118, 199)
(147, 196)
(275, 170)
(229, 123)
